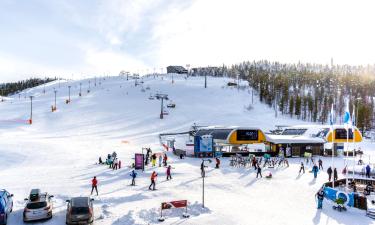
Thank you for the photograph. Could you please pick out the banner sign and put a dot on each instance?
(174, 204)
(139, 161)
(333, 194)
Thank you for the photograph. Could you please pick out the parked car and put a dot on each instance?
(38, 206)
(6, 206)
(80, 210)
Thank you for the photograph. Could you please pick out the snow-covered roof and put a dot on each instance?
(298, 139)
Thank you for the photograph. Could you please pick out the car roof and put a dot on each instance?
(80, 202)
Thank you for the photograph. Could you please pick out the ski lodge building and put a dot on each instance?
(293, 141)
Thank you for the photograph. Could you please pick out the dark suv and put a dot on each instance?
(6, 205)
(80, 211)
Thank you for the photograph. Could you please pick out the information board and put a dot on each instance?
(247, 135)
(342, 134)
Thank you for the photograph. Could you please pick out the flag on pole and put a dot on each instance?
(353, 117)
(347, 119)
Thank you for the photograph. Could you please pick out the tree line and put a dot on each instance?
(307, 91)
(16, 87)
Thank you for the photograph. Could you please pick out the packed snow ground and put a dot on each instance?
(58, 152)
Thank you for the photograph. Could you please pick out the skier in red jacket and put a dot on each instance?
(94, 185)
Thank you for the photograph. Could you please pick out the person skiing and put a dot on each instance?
(368, 170)
(169, 176)
(259, 171)
(100, 160)
(329, 171)
(119, 164)
(302, 168)
(320, 162)
(94, 185)
(315, 170)
(160, 160)
(165, 159)
(133, 174)
(153, 160)
(334, 174)
(320, 197)
(254, 162)
(217, 163)
(153, 179)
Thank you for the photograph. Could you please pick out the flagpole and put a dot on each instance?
(333, 146)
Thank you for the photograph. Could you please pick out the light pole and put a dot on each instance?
(55, 91)
(162, 97)
(205, 80)
(31, 109)
(69, 93)
(203, 176)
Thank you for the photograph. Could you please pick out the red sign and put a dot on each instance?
(174, 204)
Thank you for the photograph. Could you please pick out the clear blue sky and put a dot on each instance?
(76, 38)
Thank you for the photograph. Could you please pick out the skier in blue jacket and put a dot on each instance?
(368, 170)
(133, 174)
(315, 170)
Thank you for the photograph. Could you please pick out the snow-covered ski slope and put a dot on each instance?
(58, 152)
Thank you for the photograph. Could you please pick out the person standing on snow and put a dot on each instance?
(169, 176)
(320, 197)
(100, 160)
(94, 185)
(315, 170)
(334, 174)
(114, 155)
(217, 163)
(329, 171)
(119, 164)
(153, 160)
(160, 160)
(302, 168)
(320, 162)
(133, 174)
(259, 171)
(368, 170)
(153, 179)
(115, 164)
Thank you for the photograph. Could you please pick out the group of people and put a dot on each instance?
(112, 161)
(152, 157)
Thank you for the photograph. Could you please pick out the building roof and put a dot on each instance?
(297, 139)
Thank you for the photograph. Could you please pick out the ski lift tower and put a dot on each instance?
(161, 97)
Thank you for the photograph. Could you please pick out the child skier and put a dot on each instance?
(259, 171)
(169, 176)
(133, 174)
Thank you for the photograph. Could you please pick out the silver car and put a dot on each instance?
(38, 206)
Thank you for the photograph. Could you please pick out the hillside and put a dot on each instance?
(58, 152)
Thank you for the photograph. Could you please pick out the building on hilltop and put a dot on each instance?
(177, 69)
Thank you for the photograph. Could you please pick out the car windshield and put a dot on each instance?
(80, 210)
(36, 205)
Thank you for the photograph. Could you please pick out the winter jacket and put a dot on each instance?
(315, 169)
(329, 171)
(169, 170)
(94, 182)
(153, 176)
(133, 174)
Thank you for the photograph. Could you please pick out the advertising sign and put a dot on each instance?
(139, 159)
(206, 143)
(174, 204)
(342, 134)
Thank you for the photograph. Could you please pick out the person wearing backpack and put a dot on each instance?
(133, 175)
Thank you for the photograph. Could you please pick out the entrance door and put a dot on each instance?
(316, 150)
(296, 151)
